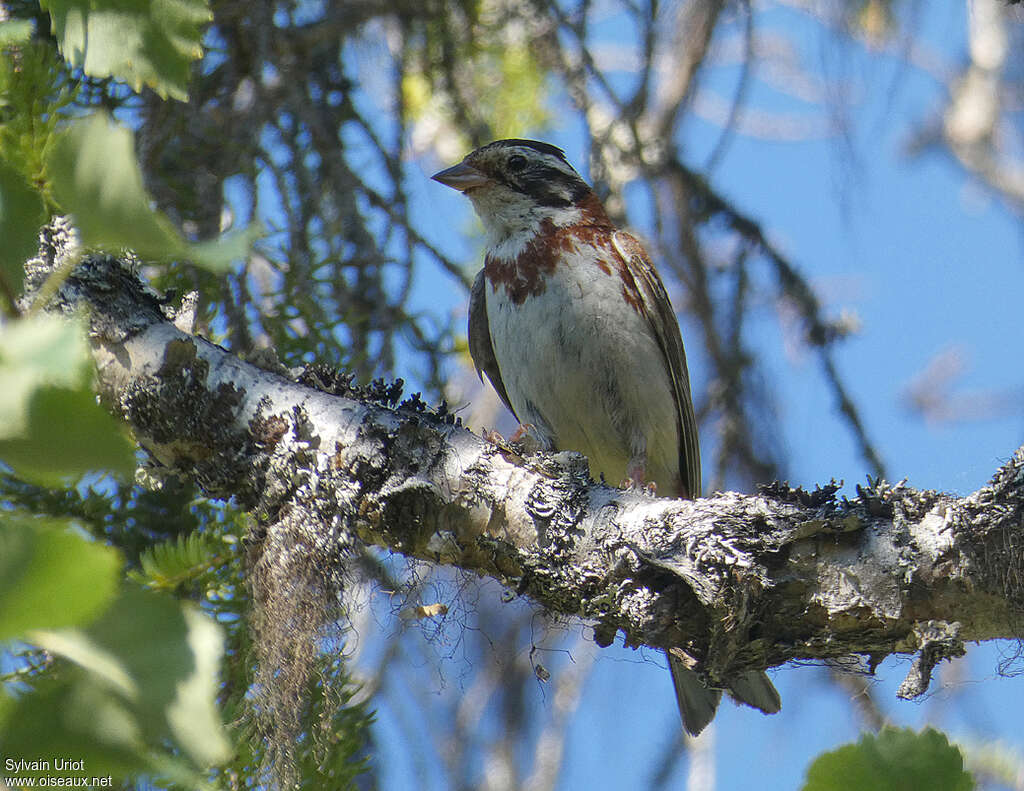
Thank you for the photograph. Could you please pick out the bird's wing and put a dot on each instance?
(658, 310)
(480, 348)
(697, 703)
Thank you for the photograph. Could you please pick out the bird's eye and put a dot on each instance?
(516, 162)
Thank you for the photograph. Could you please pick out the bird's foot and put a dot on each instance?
(629, 485)
(495, 438)
(634, 481)
(522, 431)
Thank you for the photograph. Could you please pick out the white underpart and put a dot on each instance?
(583, 367)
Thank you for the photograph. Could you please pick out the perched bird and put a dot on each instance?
(572, 326)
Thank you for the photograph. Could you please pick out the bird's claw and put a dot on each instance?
(494, 437)
(634, 485)
(522, 431)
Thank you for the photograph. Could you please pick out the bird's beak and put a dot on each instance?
(461, 177)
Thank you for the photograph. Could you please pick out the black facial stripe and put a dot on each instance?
(550, 186)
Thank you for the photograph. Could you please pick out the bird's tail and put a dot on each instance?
(698, 702)
(754, 688)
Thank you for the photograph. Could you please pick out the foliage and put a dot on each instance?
(148, 43)
(105, 666)
(502, 72)
(193, 558)
(95, 177)
(114, 511)
(32, 101)
(125, 672)
(35, 554)
(22, 212)
(896, 758)
(50, 424)
(50, 159)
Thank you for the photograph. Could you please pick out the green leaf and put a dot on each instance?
(140, 42)
(68, 435)
(896, 759)
(44, 350)
(21, 214)
(159, 659)
(96, 178)
(171, 563)
(75, 715)
(79, 719)
(81, 649)
(50, 424)
(193, 715)
(15, 31)
(51, 577)
(219, 254)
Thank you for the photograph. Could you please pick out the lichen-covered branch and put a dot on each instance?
(732, 581)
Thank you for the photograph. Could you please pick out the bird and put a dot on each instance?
(572, 326)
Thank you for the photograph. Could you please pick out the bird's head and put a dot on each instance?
(515, 185)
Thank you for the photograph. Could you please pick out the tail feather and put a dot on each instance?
(754, 688)
(697, 702)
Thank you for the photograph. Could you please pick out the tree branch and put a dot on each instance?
(731, 581)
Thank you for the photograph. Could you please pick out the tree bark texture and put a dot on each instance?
(730, 582)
